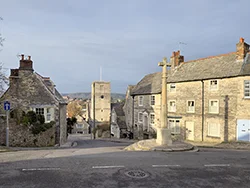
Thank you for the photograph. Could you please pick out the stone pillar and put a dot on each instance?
(163, 132)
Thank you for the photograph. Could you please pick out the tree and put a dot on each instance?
(70, 123)
(3, 78)
(74, 109)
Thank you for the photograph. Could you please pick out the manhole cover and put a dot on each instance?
(136, 174)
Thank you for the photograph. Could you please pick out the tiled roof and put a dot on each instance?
(215, 67)
(150, 84)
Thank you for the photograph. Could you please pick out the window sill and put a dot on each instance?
(191, 112)
(213, 112)
(247, 98)
(217, 137)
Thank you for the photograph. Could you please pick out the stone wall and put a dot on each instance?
(146, 109)
(63, 123)
(21, 136)
(232, 106)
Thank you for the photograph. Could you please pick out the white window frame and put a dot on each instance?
(247, 90)
(174, 125)
(140, 100)
(172, 108)
(213, 133)
(152, 122)
(210, 106)
(190, 109)
(172, 89)
(48, 115)
(39, 111)
(152, 100)
(140, 120)
(213, 87)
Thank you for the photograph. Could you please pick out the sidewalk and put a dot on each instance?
(151, 145)
(222, 145)
(119, 140)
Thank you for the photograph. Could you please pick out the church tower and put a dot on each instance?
(100, 102)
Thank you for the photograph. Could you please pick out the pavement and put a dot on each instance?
(151, 145)
(223, 145)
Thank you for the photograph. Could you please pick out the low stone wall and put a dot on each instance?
(21, 136)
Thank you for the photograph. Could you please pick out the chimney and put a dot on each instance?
(242, 49)
(176, 59)
(26, 64)
(14, 75)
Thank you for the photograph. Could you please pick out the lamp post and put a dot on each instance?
(163, 132)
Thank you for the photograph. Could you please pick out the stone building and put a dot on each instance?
(118, 123)
(29, 91)
(100, 102)
(128, 110)
(208, 98)
(146, 105)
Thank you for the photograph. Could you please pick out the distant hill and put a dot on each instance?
(87, 95)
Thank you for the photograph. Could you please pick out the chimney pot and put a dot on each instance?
(29, 57)
(22, 57)
(241, 40)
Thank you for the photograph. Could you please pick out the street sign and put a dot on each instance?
(6, 105)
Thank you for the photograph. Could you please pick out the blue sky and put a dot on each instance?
(69, 40)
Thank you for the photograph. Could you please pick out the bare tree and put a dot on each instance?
(3, 78)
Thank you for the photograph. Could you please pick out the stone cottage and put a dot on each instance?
(208, 98)
(29, 91)
(146, 105)
(118, 123)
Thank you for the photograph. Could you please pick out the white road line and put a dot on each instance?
(155, 166)
(108, 166)
(39, 169)
(212, 165)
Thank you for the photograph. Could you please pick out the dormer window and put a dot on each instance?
(213, 84)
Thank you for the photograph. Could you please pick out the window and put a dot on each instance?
(140, 100)
(152, 100)
(213, 129)
(172, 106)
(140, 117)
(152, 119)
(40, 111)
(247, 88)
(190, 106)
(213, 85)
(214, 106)
(48, 115)
(172, 88)
(174, 126)
(113, 117)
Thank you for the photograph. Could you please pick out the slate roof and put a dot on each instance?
(215, 67)
(48, 84)
(118, 108)
(221, 66)
(150, 84)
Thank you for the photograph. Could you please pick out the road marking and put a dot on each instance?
(39, 169)
(155, 166)
(212, 165)
(108, 166)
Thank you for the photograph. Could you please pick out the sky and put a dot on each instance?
(69, 40)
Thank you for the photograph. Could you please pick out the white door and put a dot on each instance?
(189, 130)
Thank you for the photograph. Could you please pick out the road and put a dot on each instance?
(96, 163)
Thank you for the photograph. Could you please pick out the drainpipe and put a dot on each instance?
(202, 110)
(133, 102)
